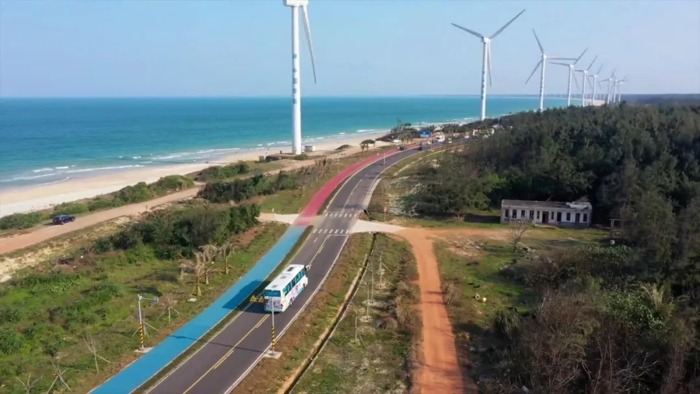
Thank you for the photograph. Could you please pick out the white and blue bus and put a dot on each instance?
(285, 288)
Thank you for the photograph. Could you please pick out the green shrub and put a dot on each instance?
(20, 221)
(302, 156)
(172, 183)
(53, 283)
(98, 204)
(11, 340)
(223, 172)
(243, 189)
(9, 314)
(137, 193)
(508, 322)
(70, 208)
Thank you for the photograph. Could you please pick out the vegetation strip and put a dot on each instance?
(292, 381)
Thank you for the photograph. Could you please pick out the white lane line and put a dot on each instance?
(314, 232)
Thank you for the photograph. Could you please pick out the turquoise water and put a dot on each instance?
(52, 140)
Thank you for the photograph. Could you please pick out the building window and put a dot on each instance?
(514, 214)
(585, 218)
(532, 215)
(538, 215)
(507, 213)
(558, 216)
(522, 214)
(578, 217)
(568, 216)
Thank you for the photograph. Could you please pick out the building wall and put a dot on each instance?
(561, 217)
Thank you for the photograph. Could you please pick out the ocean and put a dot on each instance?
(52, 140)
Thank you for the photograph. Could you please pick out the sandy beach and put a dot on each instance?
(39, 197)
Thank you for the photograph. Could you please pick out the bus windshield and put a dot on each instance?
(272, 293)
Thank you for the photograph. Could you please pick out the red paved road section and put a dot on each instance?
(314, 206)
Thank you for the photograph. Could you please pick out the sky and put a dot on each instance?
(363, 47)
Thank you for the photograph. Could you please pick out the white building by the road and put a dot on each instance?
(561, 214)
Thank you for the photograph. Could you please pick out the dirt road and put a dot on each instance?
(440, 372)
(21, 241)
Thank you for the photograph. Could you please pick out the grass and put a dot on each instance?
(472, 267)
(382, 356)
(61, 304)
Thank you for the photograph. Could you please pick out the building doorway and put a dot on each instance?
(545, 217)
(558, 216)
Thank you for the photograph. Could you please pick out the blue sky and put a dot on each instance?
(363, 47)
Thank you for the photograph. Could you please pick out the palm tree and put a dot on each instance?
(225, 252)
(196, 267)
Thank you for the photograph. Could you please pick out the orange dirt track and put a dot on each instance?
(440, 371)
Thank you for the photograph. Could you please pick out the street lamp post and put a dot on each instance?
(141, 322)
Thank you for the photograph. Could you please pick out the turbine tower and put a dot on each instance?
(595, 81)
(585, 78)
(543, 63)
(571, 75)
(611, 82)
(486, 61)
(619, 88)
(296, 72)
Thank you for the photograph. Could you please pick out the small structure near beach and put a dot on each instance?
(560, 214)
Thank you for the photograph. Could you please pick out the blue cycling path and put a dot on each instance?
(143, 369)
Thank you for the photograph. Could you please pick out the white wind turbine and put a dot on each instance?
(296, 74)
(486, 61)
(595, 81)
(619, 88)
(571, 75)
(543, 63)
(585, 78)
(611, 82)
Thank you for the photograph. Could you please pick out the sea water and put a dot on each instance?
(52, 140)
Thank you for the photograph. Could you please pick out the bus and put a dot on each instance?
(285, 288)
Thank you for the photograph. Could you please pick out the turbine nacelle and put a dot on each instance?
(296, 3)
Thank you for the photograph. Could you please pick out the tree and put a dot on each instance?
(516, 229)
(226, 250)
(364, 145)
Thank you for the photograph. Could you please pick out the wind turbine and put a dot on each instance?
(585, 77)
(571, 74)
(486, 61)
(611, 82)
(619, 88)
(296, 74)
(543, 63)
(595, 81)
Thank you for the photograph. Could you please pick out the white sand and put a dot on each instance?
(45, 196)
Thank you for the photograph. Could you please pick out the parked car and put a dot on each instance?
(402, 147)
(63, 219)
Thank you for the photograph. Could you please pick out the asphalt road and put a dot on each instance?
(220, 364)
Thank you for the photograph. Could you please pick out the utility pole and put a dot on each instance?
(142, 323)
(272, 353)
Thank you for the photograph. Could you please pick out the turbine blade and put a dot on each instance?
(307, 29)
(472, 32)
(560, 58)
(575, 80)
(600, 86)
(591, 65)
(533, 71)
(538, 41)
(499, 31)
(600, 69)
(581, 55)
(488, 60)
(560, 64)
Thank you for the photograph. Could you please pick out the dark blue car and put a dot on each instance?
(63, 219)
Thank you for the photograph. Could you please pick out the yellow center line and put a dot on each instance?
(227, 355)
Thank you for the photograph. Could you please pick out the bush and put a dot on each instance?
(20, 221)
(507, 322)
(172, 183)
(243, 189)
(70, 208)
(223, 172)
(10, 340)
(98, 204)
(132, 194)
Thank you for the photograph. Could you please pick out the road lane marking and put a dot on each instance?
(225, 356)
